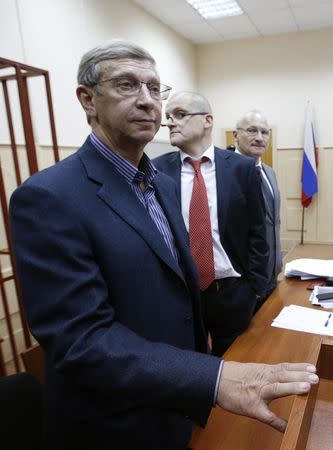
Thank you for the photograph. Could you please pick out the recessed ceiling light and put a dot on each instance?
(215, 9)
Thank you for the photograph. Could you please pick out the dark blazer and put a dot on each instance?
(240, 211)
(117, 317)
(272, 221)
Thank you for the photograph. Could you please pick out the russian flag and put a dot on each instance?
(310, 162)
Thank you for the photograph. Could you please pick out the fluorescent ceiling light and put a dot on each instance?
(215, 9)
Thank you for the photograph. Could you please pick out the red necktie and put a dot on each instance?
(200, 231)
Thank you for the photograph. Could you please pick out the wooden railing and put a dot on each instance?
(16, 75)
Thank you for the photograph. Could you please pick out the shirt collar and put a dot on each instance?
(146, 171)
(209, 153)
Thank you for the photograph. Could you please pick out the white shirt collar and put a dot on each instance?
(209, 153)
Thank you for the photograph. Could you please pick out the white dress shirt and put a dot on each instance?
(223, 266)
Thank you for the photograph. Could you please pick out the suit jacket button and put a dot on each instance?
(189, 319)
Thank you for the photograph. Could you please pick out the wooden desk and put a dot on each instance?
(266, 344)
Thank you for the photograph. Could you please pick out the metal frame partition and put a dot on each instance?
(16, 75)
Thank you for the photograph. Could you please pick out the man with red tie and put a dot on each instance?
(223, 210)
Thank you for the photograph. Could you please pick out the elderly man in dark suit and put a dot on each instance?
(252, 138)
(235, 219)
(109, 286)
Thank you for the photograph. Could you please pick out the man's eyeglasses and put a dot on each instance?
(179, 115)
(252, 131)
(131, 86)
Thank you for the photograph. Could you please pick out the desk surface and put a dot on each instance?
(265, 344)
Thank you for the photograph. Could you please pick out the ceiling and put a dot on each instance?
(260, 18)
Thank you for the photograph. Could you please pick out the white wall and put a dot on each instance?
(277, 74)
(53, 35)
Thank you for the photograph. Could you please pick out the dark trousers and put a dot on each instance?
(269, 291)
(228, 306)
(21, 414)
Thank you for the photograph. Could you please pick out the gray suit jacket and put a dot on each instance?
(272, 221)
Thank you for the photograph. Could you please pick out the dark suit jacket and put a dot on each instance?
(117, 317)
(272, 221)
(240, 211)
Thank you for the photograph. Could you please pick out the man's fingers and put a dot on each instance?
(272, 419)
(279, 424)
(296, 367)
(284, 373)
(300, 367)
(277, 390)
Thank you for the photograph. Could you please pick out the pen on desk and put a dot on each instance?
(328, 319)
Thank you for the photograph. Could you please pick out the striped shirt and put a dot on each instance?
(134, 176)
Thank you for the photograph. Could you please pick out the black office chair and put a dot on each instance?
(21, 412)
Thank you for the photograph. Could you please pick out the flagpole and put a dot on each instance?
(302, 231)
(309, 166)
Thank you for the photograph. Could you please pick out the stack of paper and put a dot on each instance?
(310, 320)
(307, 268)
(321, 290)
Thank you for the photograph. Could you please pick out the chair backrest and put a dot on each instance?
(2, 362)
(33, 360)
(21, 412)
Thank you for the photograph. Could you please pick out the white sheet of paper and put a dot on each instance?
(300, 318)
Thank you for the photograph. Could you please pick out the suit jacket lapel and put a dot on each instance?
(272, 179)
(118, 195)
(223, 185)
(171, 206)
(173, 170)
(272, 183)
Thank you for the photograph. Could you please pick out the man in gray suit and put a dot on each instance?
(251, 138)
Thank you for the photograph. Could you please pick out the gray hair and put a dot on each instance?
(247, 115)
(90, 67)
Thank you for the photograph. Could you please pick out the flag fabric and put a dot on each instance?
(310, 162)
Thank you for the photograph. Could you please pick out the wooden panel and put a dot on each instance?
(321, 430)
(319, 215)
(299, 422)
(2, 362)
(324, 217)
(229, 137)
(294, 218)
(293, 173)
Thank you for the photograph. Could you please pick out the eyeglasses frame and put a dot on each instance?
(186, 114)
(255, 134)
(166, 89)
